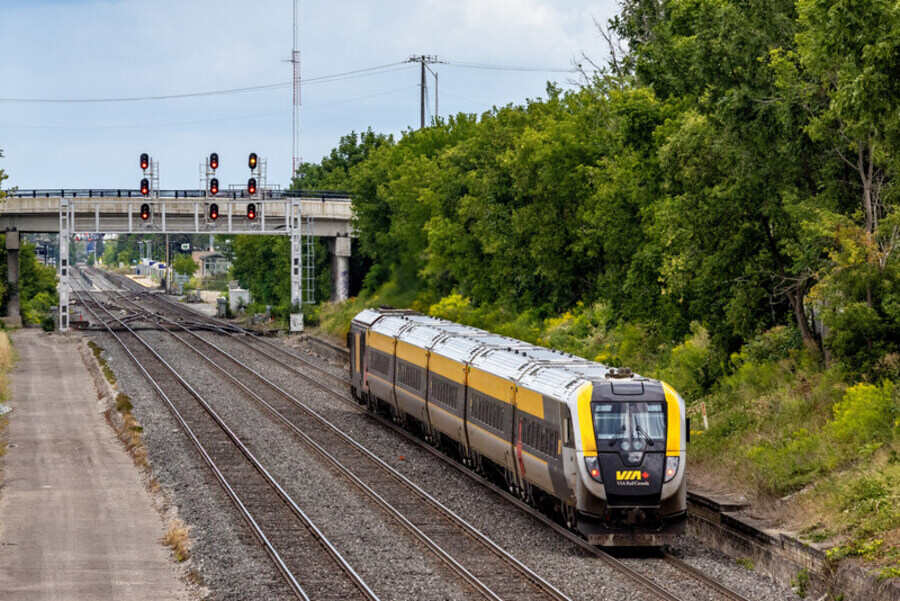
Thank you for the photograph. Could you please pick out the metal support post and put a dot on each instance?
(296, 268)
(65, 233)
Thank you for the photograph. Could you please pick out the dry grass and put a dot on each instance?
(104, 366)
(177, 539)
(7, 358)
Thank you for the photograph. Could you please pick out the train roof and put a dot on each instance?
(547, 371)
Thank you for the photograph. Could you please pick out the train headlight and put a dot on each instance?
(671, 467)
(593, 468)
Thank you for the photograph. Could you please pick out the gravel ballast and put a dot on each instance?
(368, 539)
(233, 566)
(224, 552)
(581, 577)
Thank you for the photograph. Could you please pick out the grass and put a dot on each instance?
(129, 430)
(104, 366)
(7, 360)
(177, 539)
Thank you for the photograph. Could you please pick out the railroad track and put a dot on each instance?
(483, 565)
(657, 566)
(304, 557)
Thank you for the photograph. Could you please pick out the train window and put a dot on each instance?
(443, 392)
(609, 420)
(379, 362)
(409, 375)
(651, 418)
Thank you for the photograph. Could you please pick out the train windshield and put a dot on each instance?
(629, 421)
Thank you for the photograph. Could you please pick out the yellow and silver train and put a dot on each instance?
(600, 448)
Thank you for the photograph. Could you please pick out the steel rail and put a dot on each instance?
(317, 534)
(648, 583)
(521, 569)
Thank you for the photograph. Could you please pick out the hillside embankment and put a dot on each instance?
(815, 453)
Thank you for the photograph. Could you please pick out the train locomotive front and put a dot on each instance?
(601, 449)
(631, 461)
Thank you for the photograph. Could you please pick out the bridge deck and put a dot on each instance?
(331, 216)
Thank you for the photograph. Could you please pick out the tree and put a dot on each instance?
(331, 172)
(184, 265)
(3, 177)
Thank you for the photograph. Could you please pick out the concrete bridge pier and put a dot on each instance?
(341, 268)
(13, 313)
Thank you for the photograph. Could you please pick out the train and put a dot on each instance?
(600, 449)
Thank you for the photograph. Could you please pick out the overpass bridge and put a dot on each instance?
(291, 213)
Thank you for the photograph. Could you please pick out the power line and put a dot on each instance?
(272, 86)
(376, 70)
(491, 67)
(163, 124)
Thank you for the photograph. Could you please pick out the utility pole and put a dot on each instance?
(424, 60)
(422, 97)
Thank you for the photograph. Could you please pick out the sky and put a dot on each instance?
(101, 49)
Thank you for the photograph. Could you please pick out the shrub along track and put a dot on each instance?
(301, 553)
(662, 570)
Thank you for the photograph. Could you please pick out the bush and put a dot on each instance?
(866, 414)
(690, 368)
(856, 336)
(787, 464)
(771, 345)
(37, 309)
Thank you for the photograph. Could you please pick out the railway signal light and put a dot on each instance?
(145, 187)
(251, 186)
(213, 211)
(214, 186)
(214, 161)
(253, 160)
(251, 211)
(145, 161)
(145, 211)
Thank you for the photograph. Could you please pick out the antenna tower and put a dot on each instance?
(295, 118)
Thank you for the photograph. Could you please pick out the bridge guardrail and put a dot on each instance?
(225, 194)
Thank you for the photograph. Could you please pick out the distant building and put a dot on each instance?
(211, 263)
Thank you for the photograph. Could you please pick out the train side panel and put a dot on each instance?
(447, 397)
(489, 417)
(411, 380)
(379, 375)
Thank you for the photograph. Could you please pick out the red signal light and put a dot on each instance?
(214, 211)
(213, 186)
(145, 211)
(145, 187)
(251, 211)
(145, 161)
(251, 186)
(214, 161)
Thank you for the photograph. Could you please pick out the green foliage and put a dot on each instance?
(691, 369)
(184, 265)
(3, 177)
(718, 209)
(37, 288)
(867, 414)
(800, 584)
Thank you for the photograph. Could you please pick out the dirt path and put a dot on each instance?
(75, 520)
